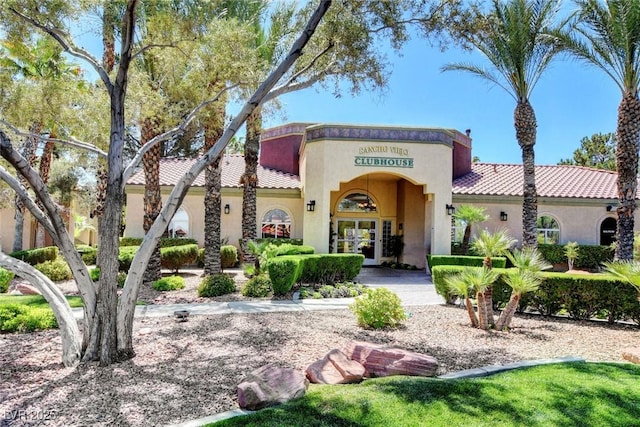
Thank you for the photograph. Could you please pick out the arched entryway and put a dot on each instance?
(357, 226)
(608, 229)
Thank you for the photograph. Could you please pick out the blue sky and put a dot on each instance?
(571, 101)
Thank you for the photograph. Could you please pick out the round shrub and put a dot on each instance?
(169, 283)
(5, 278)
(56, 270)
(94, 273)
(228, 256)
(22, 318)
(216, 285)
(258, 287)
(378, 308)
(88, 253)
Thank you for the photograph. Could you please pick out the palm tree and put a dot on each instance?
(571, 252)
(521, 282)
(458, 286)
(469, 215)
(490, 245)
(607, 35)
(479, 279)
(628, 271)
(514, 40)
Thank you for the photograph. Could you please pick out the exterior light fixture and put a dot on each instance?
(503, 216)
(609, 208)
(450, 209)
(311, 206)
(227, 209)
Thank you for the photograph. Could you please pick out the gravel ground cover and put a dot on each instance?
(189, 370)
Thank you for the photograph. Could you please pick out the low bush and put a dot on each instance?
(174, 257)
(279, 242)
(328, 268)
(21, 318)
(130, 241)
(216, 285)
(283, 272)
(257, 287)
(88, 253)
(125, 257)
(5, 278)
(339, 290)
(228, 256)
(94, 273)
(378, 308)
(290, 249)
(167, 242)
(169, 283)
(469, 261)
(38, 255)
(590, 257)
(56, 270)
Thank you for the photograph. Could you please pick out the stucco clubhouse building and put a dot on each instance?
(349, 188)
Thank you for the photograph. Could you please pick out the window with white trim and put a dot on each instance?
(276, 224)
(548, 230)
(179, 225)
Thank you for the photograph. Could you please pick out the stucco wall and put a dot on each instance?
(231, 225)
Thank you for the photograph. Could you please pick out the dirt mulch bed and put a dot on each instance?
(189, 370)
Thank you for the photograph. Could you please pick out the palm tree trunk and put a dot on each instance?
(525, 124)
(29, 153)
(249, 181)
(471, 312)
(45, 171)
(628, 134)
(465, 239)
(212, 207)
(504, 321)
(482, 311)
(109, 19)
(152, 195)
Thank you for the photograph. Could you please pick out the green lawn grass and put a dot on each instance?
(569, 394)
(35, 301)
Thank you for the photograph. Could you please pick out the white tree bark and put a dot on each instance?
(69, 331)
(126, 304)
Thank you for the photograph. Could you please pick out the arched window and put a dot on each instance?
(548, 230)
(179, 225)
(276, 223)
(357, 202)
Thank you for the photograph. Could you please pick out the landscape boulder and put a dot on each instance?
(632, 355)
(270, 385)
(383, 361)
(335, 368)
(25, 289)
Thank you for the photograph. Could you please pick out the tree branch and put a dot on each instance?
(141, 258)
(69, 47)
(28, 202)
(72, 142)
(129, 170)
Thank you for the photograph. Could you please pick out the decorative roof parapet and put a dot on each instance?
(288, 129)
(377, 133)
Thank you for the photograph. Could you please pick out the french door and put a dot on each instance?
(358, 236)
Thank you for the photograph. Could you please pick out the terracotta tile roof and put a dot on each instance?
(172, 169)
(551, 181)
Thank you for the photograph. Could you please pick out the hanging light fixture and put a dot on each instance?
(368, 205)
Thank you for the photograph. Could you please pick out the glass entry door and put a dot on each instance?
(358, 236)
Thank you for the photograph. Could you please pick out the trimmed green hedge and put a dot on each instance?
(56, 270)
(589, 256)
(169, 283)
(125, 257)
(470, 261)
(284, 272)
(174, 257)
(289, 249)
(165, 242)
(580, 296)
(324, 268)
(5, 278)
(228, 256)
(279, 242)
(37, 256)
(88, 253)
(22, 318)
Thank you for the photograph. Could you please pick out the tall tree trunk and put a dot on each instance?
(212, 205)
(525, 124)
(249, 181)
(628, 134)
(109, 20)
(45, 171)
(152, 195)
(29, 153)
(465, 239)
(472, 314)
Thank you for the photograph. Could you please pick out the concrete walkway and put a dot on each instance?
(413, 288)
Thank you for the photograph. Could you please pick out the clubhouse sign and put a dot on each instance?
(369, 156)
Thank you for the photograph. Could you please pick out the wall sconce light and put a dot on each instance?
(227, 209)
(450, 209)
(609, 208)
(503, 216)
(311, 206)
